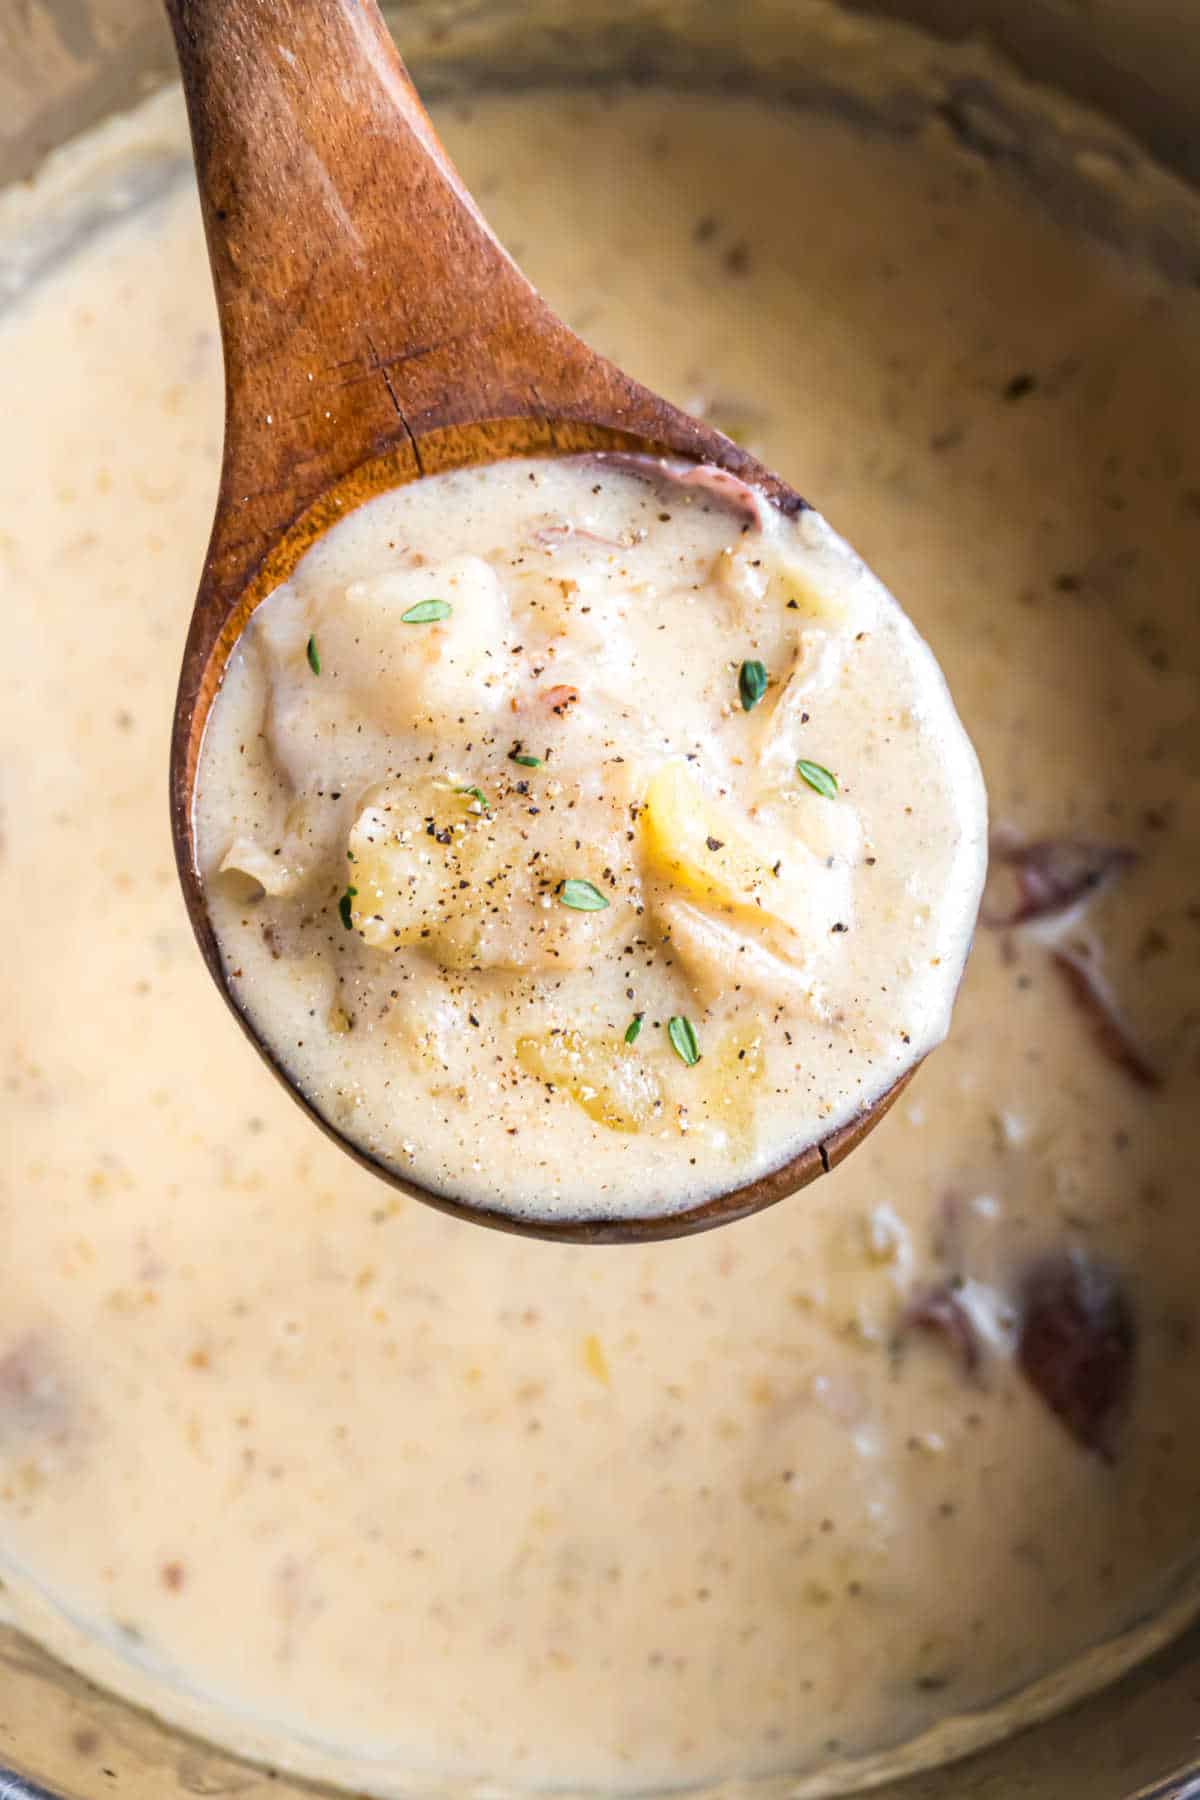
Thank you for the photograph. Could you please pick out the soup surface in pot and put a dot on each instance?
(396, 1500)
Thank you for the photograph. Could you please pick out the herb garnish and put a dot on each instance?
(633, 1028)
(752, 684)
(426, 612)
(819, 779)
(313, 655)
(682, 1034)
(582, 896)
(475, 793)
(350, 894)
(526, 762)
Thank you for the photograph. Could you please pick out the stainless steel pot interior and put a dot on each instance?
(63, 65)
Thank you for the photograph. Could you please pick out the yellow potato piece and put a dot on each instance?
(612, 1082)
(720, 958)
(400, 873)
(477, 886)
(829, 603)
(692, 843)
(730, 1077)
(619, 1085)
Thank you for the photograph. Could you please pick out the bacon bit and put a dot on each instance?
(939, 1310)
(33, 1400)
(948, 1230)
(1054, 875)
(561, 529)
(731, 489)
(1076, 1345)
(1113, 1037)
(559, 699)
(173, 1576)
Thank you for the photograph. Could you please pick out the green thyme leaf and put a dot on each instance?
(474, 793)
(313, 655)
(633, 1029)
(818, 778)
(752, 684)
(350, 894)
(582, 896)
(682, 1034)
(526, 762)
(426, 612)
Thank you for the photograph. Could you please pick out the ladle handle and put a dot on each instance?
(360, 291)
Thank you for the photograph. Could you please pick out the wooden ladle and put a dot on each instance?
(375, 332)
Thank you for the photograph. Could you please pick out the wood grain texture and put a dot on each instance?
(375, 331)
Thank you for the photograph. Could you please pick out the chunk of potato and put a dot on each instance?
(719, 957)
(425, 672)
(620, 1087)
(763, 576)
(399, 871)
(282, 853)
(393, 675)
(478, 888)
(270, 869)
(696, 847)
(611, 1081)
(827, 601)
(731, 1076)
(778, 727)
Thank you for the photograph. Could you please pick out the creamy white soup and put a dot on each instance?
(403, 1502)
(525, 854)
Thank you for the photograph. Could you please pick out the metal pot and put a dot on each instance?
(66, 63)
